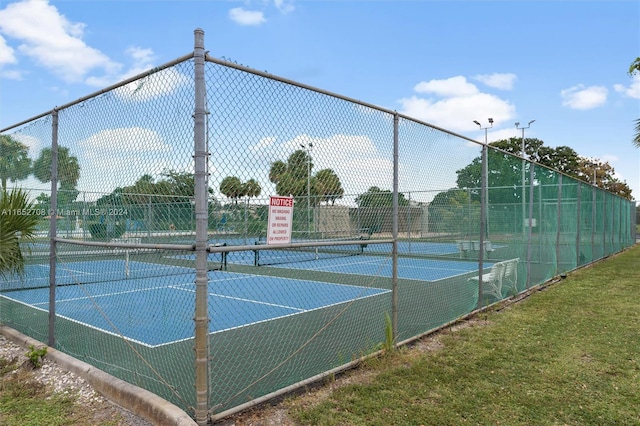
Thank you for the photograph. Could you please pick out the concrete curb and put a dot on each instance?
(137, 400)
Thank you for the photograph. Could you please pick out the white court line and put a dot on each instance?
(118, 293)
(242, 299)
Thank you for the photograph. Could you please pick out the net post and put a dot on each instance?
(200, 177)
(53, 228)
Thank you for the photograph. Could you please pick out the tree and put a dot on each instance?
(161, 203)
(505, 170)
(15, 163)
(453, 211)
(68, 172)
(374, 211)
(252, 188)
(604, 176)
(634, 70)
(292, 178)
(232, 188)
(15, 228)
(278, 169)
(376, 197)
(327, 186)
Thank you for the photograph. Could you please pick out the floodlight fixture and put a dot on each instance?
(491, 121)
(476, 121)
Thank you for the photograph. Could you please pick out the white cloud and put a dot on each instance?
(34, 144)
(11, 74)
(125, 140)
(455, 102)
(457, 113)
(264, 144)
(454, 86)
(153, 86)
(503, 81)
(51, 40)
(142, 58)
(246, 17)
(633, 91)
(581, 97)
(7, 54)
(284, 6)
(111, 157)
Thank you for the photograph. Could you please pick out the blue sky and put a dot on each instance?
(561, 63)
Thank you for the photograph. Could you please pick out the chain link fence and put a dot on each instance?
(391, 233)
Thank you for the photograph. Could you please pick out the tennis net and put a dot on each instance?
(106, 265)
(315, 250)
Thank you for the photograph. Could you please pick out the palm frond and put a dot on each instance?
(17, 225)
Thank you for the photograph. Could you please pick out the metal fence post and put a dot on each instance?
(201, 314)
(394, 225)
(531, 176)
(558, 223)
(579, 221)
(484, 192)
(593, 223)
(604, 224)
(53, 213)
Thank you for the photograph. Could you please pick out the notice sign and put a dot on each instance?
(280, 219)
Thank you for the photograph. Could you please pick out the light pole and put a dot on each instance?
(485, 175)
(524, 157)
(308, 147)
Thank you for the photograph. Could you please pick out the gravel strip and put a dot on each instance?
(62, 381)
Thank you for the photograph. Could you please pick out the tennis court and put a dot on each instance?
(235, 300)
(408, 268)
(422, 261)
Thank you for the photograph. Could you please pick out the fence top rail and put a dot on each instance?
(189, 247)
(105, 90)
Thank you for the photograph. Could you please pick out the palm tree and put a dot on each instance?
(278, 169)
(232, 188)
(252, 188)
(15, 163)
(17, 226)
(68, 172)
(327, 186)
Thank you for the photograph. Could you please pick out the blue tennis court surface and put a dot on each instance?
(159, 310)
(89, 271)
(408, 268)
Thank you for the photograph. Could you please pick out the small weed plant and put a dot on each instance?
(36, 355)
(389, 343)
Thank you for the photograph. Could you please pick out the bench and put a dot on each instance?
(464, 246)
(502, 276)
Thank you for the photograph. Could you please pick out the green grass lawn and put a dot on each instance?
(568, 355)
